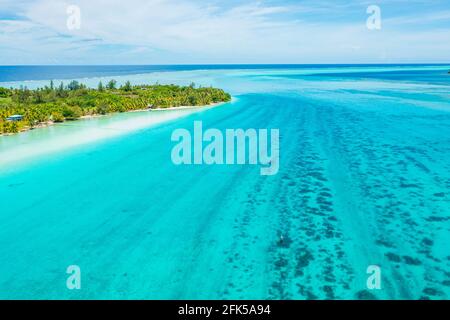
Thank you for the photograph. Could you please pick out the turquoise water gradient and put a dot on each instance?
(364, 180)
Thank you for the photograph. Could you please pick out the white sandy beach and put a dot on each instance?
(41, 141)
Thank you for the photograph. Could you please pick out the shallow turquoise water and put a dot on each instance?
(364, 180)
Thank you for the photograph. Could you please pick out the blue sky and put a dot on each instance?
(223, 31)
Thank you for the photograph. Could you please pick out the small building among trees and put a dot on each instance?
(16, 117)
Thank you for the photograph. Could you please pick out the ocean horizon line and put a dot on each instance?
(20, 73)
(231, 64)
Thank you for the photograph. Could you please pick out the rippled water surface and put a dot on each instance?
(364, 180)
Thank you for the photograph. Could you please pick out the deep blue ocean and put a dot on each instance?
(364, 180)
(23, 73)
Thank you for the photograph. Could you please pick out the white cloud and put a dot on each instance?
(158, 31)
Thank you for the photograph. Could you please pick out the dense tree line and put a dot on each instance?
(70, 102)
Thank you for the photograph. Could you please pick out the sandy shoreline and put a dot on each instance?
(51, 123)
(188, 107)
(35, 143)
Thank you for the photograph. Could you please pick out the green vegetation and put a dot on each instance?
(62, 103)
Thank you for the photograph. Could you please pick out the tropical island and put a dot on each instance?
(24, 109)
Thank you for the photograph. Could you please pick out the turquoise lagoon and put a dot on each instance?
(364, 180)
